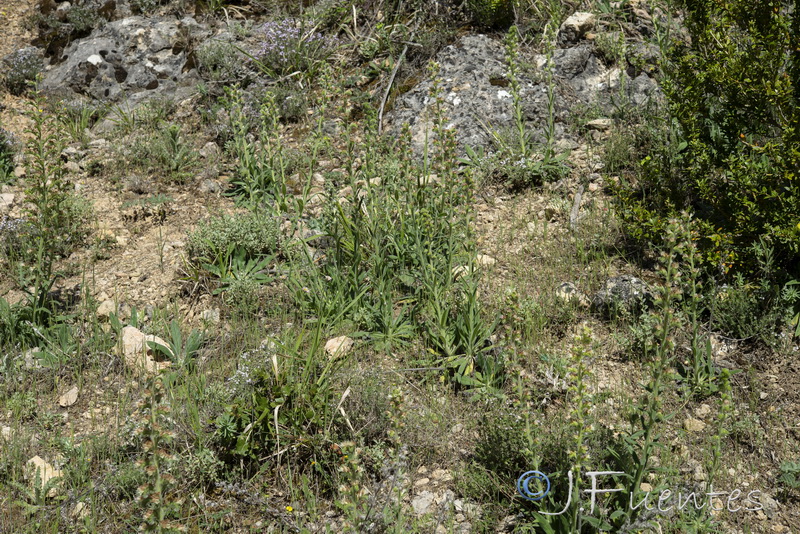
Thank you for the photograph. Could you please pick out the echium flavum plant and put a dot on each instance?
(51, 216)
(157, 498)
(643, 439)
(580, 400)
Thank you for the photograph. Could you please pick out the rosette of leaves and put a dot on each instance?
(497, 14)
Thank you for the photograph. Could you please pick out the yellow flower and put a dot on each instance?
(289, 509)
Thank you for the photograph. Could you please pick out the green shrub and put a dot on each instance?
(251, 235)
(492, 13)
(732, 158)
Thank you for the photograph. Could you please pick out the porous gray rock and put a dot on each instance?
(130, 59)
(478, 100)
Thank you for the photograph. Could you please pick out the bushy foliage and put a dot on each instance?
(734, 158)
(287, 46)
(492, 13)
(249, 234)
(21, 68)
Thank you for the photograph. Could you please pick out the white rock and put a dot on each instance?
(422, 502)
(694, 425)
(211, 316)
(80, 511)
(339, 346)
(575, 27)
(46, 473)
(106, 308)
(5, 433)
(600, 125)
(69, 398)
(485, 260)
(138, 355)
(94, 59)
(6, 202)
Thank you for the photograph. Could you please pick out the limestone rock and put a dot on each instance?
(575, 28)
(6, 202)
(69, 398)
(46, 473)
(137, 353)
(130, 59)
(569, 293)
(694, 425)
(339, 346)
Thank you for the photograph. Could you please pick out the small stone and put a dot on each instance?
(19, 171)
(703, 410)
(69, 398)
(699, 473)
(106, 308)
(459, 271)
(645, 487)
(210, 150)
(209, 186)
(485, 260)
(457, 429)
(421, 482)
(422, 502)
(31, 359)
(72, 167)
(211, 316)
(6, 202)
(46, 473)
(5, 433)
(601, 125)
(575, 27)
(442, 475)
(80, 511)
(339, 346)
(693, 425)
(569, 293)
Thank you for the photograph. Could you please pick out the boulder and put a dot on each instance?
(129, 59)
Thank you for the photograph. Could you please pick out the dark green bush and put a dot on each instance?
(732, 157)
(492, 13)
